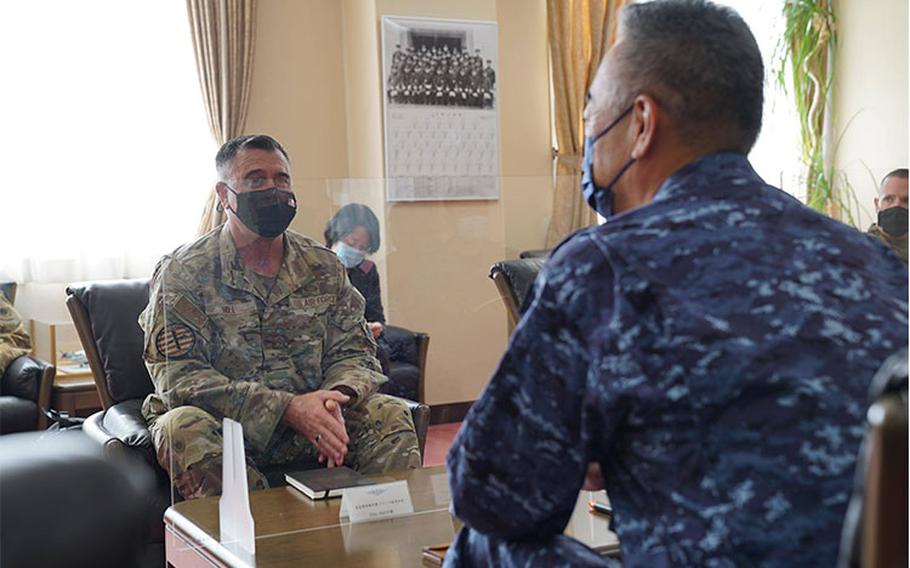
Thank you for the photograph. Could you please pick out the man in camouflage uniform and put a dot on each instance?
(708, 348)
(891, 209)
(261, 325)
(14, 341)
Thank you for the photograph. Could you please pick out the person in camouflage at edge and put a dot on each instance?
(261, 325)
(891, 212)
(704, 355)
(14, 341)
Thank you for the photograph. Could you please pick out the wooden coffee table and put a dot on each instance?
(292, 530)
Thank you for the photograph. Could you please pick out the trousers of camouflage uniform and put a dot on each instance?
(190, 445)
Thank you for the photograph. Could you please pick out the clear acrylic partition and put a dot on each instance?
(423, 129)
(433, 262)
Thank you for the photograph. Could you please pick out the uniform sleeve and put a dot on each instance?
(178, 354)
(520, 458)
(14, 341)
(349, 357)
(373, 297)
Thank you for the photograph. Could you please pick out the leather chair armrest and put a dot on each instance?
(33, 379)
(23, 377)
(122, 432)
(122, 429)
(420, 413)
(125, 422)
(94, 430)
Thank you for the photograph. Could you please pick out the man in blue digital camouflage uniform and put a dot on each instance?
(708, 349)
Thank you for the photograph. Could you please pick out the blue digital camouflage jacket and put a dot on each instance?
(712, 351)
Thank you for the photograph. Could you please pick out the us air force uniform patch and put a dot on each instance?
(175, 340)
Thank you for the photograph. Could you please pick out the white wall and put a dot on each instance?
(871, 94)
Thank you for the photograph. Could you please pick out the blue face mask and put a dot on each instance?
(599, 198)
(349, 256)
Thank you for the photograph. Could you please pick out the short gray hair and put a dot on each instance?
(700, 62)
(230, 148)
(900, 173)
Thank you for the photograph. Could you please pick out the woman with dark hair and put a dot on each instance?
(353, 233)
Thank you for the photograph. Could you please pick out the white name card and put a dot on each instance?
(376, 502)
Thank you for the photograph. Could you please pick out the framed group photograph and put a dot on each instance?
(441, 109)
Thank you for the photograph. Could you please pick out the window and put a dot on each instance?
(106, 148)
(775, 155)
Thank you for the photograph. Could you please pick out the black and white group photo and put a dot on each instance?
(438, 69)
(441, 109)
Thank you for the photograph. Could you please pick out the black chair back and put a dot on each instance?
(106, 317)
(514, 279)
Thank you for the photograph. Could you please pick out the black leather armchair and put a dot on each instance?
(25, 387)
(106, 318)
(25, 393)
(514, 279)
(407, 362)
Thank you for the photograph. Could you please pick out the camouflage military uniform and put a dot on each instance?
(14, 341)
(219, 343)
(898, 245)
(712, 352)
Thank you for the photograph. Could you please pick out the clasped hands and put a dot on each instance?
(318, 417)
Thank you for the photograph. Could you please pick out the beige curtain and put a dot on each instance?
(579, 33)
(223, 38)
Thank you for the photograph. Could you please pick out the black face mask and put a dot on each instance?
(266, 212)
(893, 221)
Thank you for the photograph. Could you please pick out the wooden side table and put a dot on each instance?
(74, 389)
(75, 394)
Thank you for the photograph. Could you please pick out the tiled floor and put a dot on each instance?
(439, 438)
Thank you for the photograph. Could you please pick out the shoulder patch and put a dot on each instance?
(175, 340)
(188, 311)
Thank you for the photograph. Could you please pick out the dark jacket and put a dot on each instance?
(365, 278)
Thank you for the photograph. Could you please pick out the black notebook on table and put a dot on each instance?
(325, 482)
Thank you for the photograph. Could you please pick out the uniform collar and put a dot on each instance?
(293, 273)
(897, 244)
(718, 170)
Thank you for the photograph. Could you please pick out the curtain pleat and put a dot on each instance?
(224, 34)
(579, 33)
